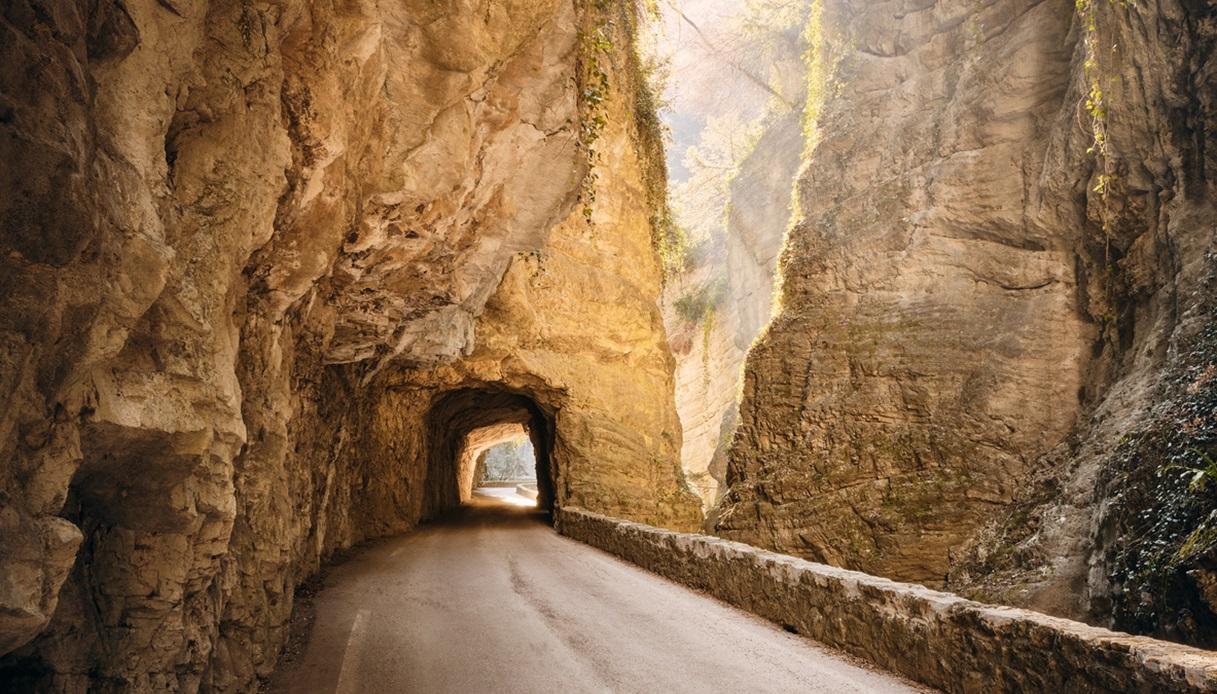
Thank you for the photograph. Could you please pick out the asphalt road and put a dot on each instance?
(493, 600)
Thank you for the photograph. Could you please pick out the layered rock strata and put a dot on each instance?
(1001, 271)
(737, 281)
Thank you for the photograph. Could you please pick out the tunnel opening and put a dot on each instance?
(506, 469)
(465, 424)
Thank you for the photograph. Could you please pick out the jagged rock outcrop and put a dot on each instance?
(889, 407)
(710, 353)
(757, 218)
(1119, 525)
(1007, 225)
(708, 364)
(240, 242)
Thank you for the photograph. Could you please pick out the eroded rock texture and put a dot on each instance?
(245, 248)
(995, 272)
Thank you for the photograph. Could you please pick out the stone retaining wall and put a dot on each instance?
(933, 637)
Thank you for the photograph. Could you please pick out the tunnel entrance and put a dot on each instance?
(463, 424)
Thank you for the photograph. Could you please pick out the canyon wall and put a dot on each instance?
(995, 310)
(735, 118)
(246, 249)
(707, 381)
(509, 462)
(735, 285)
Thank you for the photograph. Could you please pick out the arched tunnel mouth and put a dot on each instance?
(465, 422)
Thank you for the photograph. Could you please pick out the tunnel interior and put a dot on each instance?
(463, 423)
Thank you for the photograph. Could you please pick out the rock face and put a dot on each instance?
(1111, 528)
(923, 312)
(247, 251)
(1007, 226)
(707, 381)
(757, 218)
(720, 301)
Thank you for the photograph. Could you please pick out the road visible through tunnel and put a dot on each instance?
(491, 599)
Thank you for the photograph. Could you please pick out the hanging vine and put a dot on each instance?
(1094, 104)
(595, 40)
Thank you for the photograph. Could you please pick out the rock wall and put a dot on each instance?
(1007, 225)
(924, 310)
(708, 365)
(940, 639)
(239, 243)
(757, 218)
(575, 328)
(1117, 525)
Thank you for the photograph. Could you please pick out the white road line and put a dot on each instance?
(348, 675)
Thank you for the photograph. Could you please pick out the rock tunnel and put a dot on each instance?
(463, 423)
(273, 275)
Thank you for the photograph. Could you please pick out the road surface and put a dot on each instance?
(493, 600)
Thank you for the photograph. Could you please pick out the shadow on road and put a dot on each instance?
(485, 509)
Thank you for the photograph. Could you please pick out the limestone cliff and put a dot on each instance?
(731, 197)
(251, 253)
(733, 289)
(707, 378)
(508, 462)
(1001, 271)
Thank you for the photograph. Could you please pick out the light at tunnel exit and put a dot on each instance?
(507, 495)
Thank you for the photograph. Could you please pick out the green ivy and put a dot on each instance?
(605, 26)
(595, 50)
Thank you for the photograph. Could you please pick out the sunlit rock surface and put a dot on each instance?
(731, 197)
(230, 230)
(512, 461)
(978, 296)
(710, 354)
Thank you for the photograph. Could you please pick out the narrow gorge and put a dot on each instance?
(375, 346)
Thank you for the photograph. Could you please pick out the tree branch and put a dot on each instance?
(748, 74)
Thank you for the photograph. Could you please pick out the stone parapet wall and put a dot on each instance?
(933, 637)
